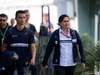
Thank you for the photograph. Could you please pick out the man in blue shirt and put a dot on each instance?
(31, 27)
(19, 38)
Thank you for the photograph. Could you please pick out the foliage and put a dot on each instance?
(92, 54)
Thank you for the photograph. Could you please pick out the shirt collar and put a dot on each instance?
(24, 29)
(63, 32)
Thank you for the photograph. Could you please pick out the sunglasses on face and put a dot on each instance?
(2, 20)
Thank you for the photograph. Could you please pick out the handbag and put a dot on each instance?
(78, 53)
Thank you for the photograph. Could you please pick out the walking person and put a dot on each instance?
(31, 27)
(12, 22)
(19, 38)
(65, 53)
(4, 27)
(45, 26)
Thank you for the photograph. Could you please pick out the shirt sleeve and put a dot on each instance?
(32, 27)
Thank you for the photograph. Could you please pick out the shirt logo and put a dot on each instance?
(26, 33)
(14, 35)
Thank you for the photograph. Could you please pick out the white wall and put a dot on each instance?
(10, 7)
(57, 8)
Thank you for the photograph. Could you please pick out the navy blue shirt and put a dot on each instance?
(19, 42)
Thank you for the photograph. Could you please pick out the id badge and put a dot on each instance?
(74, 40)
(2, 40)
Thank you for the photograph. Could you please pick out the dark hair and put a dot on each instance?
(3, 15)
(19, 11)
(62, 17)
(26, 11)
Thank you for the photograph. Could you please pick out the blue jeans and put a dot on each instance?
(26, 69)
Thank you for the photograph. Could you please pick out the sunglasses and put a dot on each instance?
(2, 20)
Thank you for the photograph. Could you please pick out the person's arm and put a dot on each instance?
(33, 48)
(3, 47)
(33, 51)
(51, 30)
(32, 27)
(48, 52)
(36, 34)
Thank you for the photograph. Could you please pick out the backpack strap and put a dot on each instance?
(10, 33)
(28, 33)
(75, 34)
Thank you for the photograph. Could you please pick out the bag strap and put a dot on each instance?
(75, 35)
(28, 35)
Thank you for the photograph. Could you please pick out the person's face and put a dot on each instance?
(45, 17)
(12, 21)
(3, 21)
(27, 16)
(65, 23)
(20, 19)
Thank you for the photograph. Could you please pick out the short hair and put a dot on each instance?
(3, 15)
(19, 11)
(45, 14)
(26, 11)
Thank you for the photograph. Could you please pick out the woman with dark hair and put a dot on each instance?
(64, 40)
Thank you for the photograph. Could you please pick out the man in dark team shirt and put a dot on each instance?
(20, 40)
(31, 27)
(4, 27)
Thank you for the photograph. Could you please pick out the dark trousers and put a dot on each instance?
(59, 70)
(33, 70)
(34, 67)
(16, 65)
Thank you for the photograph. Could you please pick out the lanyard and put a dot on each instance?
(4, 33)
(65, 34)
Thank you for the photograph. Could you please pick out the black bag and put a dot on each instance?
(43, 31)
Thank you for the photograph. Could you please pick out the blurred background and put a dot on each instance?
(84, 14)
(84, 17)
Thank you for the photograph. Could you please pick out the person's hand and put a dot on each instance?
(43, 69)
(14, 58)
(32, 61)
(82, 66)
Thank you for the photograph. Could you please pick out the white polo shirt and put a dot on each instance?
(66, 52)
